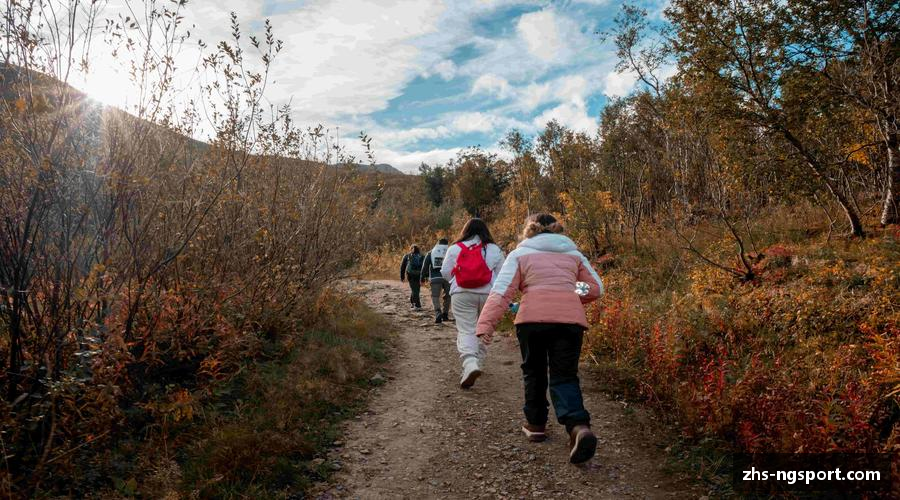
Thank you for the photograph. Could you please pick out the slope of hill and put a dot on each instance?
(383, 168)
(91, 110)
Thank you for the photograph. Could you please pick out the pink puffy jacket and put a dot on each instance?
(545, 269)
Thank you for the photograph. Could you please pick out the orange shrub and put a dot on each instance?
(802, 359)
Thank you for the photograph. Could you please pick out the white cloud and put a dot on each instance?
(446, 126)
(543, 40)
(212, 20)
(540, 30)
(405, 136)
(473, 122)
(619, 84)
(572, 88)
(667, 71)
(572, 115)
(533, 95)
(571, 92)
(446, 69)
(351, 58)
(491, 84)
(409, 161)
(567, 88)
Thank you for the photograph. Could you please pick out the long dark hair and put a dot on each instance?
(475, 227)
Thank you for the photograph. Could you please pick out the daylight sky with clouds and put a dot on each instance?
(425, 78)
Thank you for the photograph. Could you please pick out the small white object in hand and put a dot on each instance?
(582, 288)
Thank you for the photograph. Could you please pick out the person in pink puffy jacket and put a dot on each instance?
(547, 269)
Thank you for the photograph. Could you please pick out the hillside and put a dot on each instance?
(92, 112)
(167, 294)
(383, 168)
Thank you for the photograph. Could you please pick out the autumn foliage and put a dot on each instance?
(742, 212)
(143, 273)
(167, 306)
(802, 359)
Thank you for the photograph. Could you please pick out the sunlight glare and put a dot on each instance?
(107, 83)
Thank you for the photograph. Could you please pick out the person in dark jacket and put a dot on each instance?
(410, 270)
(431, 273)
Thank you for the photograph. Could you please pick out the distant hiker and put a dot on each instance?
(431, 272)
(410, 269)
(548, 269)
(470, 266)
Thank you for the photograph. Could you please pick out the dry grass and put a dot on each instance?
(259, 433)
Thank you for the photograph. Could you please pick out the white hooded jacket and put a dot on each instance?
(493, 257)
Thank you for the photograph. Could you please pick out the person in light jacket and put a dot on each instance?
(431, 273)
(555, 281)
(466, 303)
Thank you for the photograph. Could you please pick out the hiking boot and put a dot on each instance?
(582, 443)
(446, 317)
(471, 372)
(534, 433)
(438, 319)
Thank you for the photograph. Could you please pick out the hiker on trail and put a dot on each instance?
(410, 269)
(431, 273)
(555, 280)
(470, 266)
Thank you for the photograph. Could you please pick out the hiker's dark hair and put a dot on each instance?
(475, 227)
(540, 223)
(414, 249)
(443, 241)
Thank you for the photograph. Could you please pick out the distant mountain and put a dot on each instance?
(90, 111)
(383, 168)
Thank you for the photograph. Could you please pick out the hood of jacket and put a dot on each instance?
(439, 251)
(549, 242)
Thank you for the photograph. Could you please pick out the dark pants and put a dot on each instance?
(557, 346)
(414, 288)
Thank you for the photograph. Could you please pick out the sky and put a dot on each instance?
(427, 78)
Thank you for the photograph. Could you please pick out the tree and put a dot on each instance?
(526, 182)
(855, 46)
(479, 180)
(436, 180)
(740, 54)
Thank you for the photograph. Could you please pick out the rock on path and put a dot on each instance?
(423, 437)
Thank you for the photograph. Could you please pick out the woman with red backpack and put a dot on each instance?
(471, 264)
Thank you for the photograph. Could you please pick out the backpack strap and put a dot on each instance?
(475, 245)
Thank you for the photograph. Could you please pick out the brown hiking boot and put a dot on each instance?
(582, 443)
(534, 433)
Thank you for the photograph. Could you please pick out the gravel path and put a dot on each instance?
(424, 437)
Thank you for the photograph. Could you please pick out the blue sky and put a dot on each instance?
(426, 78)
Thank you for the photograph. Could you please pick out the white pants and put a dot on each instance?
(466, 308)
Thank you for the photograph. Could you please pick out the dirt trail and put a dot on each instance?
(424, 437)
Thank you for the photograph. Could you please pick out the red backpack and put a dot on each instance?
(471, 270)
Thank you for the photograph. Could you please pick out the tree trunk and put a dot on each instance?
(14, 363)
(890, 213)
(856, 227)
